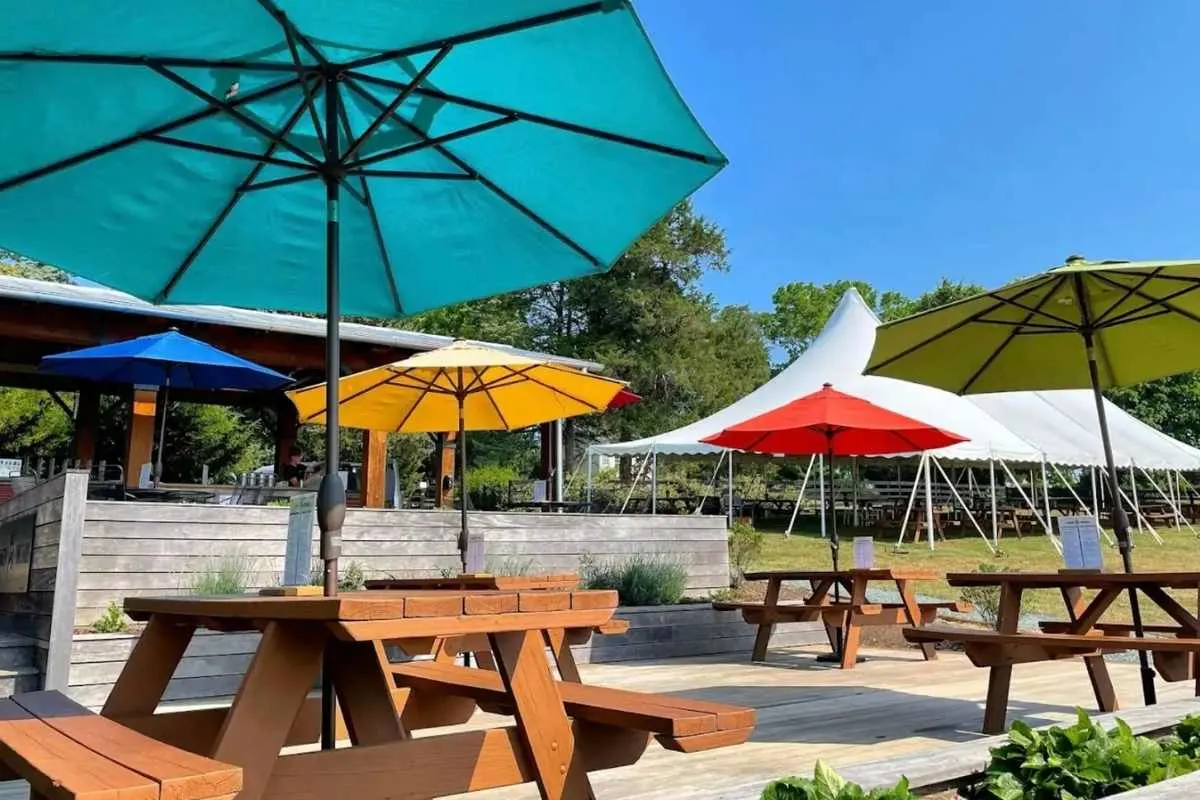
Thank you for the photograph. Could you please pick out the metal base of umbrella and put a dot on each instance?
(836, 658)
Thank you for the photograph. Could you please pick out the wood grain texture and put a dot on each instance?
(142, 683)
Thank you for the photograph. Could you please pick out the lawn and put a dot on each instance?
(1179, 551)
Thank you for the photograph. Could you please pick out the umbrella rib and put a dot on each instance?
(224, 213)
(375, 226)
(1129, 291)
(482, 33)
(125, 141)
(124, 60)
(1011, 336)
(410, 174)
(293, 35)
(226, 151)
(1134, 315)
(432, 142)
(233, 113)
(496, 190)
(396, 102)
(550, 122)
(503, 420)
(557, 390)
(1038, 310)
(1151, 299)
(953, 328)
(310, 97)
(277, 182)
(513, 377)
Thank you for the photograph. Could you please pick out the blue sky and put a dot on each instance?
(897, 142)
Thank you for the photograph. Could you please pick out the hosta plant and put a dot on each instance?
(826, 784)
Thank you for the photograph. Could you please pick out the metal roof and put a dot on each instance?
(103, 299)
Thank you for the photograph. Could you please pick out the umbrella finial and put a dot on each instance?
(1074, 258)
(827, 385)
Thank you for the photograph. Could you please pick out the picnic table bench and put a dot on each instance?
(845, 618)
(1084, 634)
(561, 730)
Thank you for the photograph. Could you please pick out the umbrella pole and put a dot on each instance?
(1120, 520)
(331, 497)
(462, 475)
(162, 431)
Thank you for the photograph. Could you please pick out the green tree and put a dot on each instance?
(1170, 404)
(32, 425)
(21, 267)
(947, 291)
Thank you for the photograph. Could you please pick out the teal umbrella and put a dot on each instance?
(241, 152)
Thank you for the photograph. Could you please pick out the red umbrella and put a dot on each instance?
(833, 423)
(624, 398)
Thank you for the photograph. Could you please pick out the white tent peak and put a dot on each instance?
(1027, 427)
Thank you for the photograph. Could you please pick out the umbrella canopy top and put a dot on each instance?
(828, 420)
(1142, 317)
(494, 389)
(165, 359)
(477, 147)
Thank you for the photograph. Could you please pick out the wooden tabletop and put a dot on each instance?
(1081, 579)
(369, 606)
(565, 580)
(875, 574)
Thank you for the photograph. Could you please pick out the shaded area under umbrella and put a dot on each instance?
(164, 360)
(1083, 324)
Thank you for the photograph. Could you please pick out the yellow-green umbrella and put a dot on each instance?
(462, 387)
(1097, 324)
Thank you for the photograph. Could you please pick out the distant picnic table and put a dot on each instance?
(839, 600)
(1085, 633)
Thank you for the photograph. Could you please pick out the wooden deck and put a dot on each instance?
(895, 703)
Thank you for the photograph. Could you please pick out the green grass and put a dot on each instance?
(1180, 551)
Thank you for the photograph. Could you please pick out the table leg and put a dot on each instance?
(1097, 670)
(142, 682)
(364, 692)
(995, 714)
(912, 613)
(541, 720)
(556, 639)
(853, 631)
(763, 638)
(283, 671)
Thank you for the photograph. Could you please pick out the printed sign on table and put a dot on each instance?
(864, 552)
(297, 560)
(1080, 539)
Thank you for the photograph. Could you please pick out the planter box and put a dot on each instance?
(214, 663)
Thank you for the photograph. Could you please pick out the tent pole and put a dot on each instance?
(821, 478)
(1166, 496)
(729, 488)
(1121, 493)
(1037, 514)
(162, 429)
(1046, 494)
(654, 482)
(1082, 504)
(1137, 505)
(929, 523)
(558, 462)
(800, 496)
(965, 507)
(632, 486)
(854, 489)
(912, 499)
(1096, 501)
(995, 519)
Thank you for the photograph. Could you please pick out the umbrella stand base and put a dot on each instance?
(834, 658)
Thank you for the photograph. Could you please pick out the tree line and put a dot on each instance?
(648, 320)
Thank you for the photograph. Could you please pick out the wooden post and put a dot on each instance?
(374, 468)
(546, 471)
(139, 443)
(87, 418)
(66, 580)
(446, 451)
(287, 425)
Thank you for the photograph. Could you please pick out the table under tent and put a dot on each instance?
(1025, 442)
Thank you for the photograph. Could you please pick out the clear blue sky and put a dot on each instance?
(897, 142)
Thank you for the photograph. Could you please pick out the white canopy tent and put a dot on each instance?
(1057, 428)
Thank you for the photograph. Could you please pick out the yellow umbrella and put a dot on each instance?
(464, 386)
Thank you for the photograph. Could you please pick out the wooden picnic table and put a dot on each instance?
(348, 634)
(1085, 633)
(844, 616)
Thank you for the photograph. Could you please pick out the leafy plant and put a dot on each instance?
(986, 599)
(745, 547)
(510, 566)
(643, 580)
(222, 575)
(826, 784)
(723, 595)
(112, 621)
(352, 578)
(488, 485)
(1081, 761)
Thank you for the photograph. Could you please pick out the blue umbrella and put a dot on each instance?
(232, 152)
(166, 360)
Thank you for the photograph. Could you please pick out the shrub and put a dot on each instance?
(643, 580)
(351, 577)
(509, 566)
(1083, 761)
(488, 486)
(745, 547)
(112, 621)
(222, 575)
(828, 785)
(986, 599)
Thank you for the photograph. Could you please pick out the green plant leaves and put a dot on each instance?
(826, 784)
